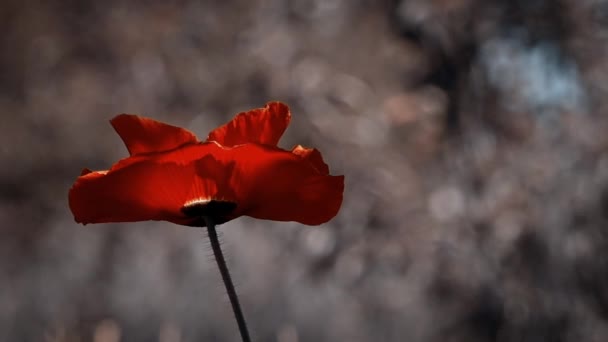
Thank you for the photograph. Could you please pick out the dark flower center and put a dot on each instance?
(218, 211)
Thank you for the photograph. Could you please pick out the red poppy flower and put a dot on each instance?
(238, 170)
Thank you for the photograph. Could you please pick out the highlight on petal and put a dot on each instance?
(144, 135)
(154, 188)
(283, 186)
(313, 156)
(171, 176)
(261, 126)
(85, 171)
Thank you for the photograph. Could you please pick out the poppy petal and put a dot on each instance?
(312, 201)
(85, 171)
(261, 126)
(154, 188)
(282, 186)
(144, 135)
(313, 156)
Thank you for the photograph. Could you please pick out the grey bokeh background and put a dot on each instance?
(472, 134)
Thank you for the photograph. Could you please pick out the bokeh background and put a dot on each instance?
(472, 134)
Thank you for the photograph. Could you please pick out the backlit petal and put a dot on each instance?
(85, 171)
(144, 135)
(171, 176)
(154, 188)
(282, 186)
(262, 126)
(313, 156)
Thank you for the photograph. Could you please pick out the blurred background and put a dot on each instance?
(472, 134)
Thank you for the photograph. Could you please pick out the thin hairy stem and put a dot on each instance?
(221, 263)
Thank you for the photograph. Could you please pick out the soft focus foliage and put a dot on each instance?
(472, 134)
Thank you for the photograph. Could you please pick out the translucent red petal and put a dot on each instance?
(313, 157)
(144, 135)
(169, 171)
(152, 188)
(282, 186)
(260, 126)
(264, 182)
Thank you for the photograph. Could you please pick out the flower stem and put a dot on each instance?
(221, 263)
